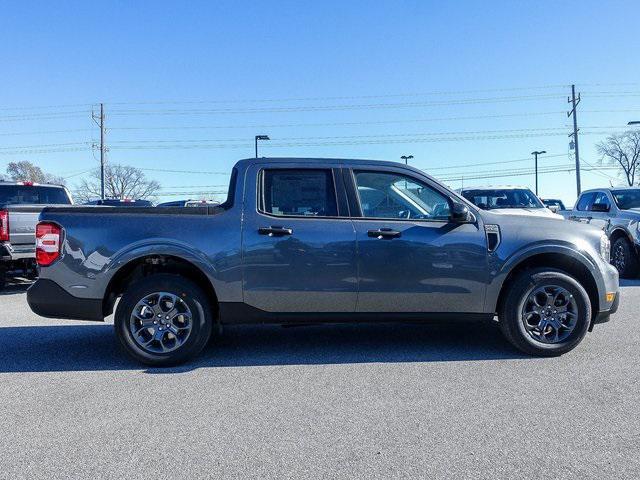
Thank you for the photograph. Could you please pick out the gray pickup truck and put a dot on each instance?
(320, 240)
(616, 211)
(20, 206)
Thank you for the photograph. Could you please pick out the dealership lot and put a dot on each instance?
(383, 401)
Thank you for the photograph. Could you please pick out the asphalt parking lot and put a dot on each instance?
(376, 401)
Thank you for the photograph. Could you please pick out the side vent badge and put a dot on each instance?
(493, 237)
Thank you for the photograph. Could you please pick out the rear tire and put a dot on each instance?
(163, 320)
(624, 258)
(546, 313)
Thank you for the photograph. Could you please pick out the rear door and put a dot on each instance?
(411, 257)
(299, 244)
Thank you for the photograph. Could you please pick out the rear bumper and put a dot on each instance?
(48, 299)
(9, 253)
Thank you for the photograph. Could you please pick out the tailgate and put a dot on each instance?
(22, 224)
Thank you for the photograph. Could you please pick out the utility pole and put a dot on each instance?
(100, 122)
(574, 103)
(535, 154)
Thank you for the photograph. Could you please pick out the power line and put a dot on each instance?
(346, 97)
(317, 108)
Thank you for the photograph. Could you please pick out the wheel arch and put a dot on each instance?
(620, 232)
(565, 262)
(151, 264)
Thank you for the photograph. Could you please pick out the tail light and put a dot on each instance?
(47, 243)
(4, 226)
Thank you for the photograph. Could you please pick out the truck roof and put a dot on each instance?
(241, 164)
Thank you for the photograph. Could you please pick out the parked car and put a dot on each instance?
(317, 240)
(188, 203)
(616, 211)
(20, 205)
(508, 200)
(554, 204)
(117, 202)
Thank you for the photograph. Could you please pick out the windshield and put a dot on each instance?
(488, 199)
(33, 195)
(626, 199)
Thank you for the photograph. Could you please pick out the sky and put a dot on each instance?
(469, 88)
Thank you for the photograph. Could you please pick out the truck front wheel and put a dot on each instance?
(623, 257)
(545, 313)
(163, 320)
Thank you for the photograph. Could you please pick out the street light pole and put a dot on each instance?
(535, 154)
(260, 137)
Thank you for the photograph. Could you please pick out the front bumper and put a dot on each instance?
(48, 299)
(604, 316)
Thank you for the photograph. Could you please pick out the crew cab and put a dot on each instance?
(616, 211)
(20, 205)
(321, 240)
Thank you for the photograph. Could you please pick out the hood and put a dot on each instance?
(536, 212)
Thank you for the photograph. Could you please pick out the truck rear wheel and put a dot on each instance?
(163, 320)
(546, 313)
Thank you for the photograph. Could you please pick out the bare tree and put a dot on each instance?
(624, 150)
(25, 171)
(120, 181)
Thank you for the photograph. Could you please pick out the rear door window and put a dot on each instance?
(33, 195)
(298, 192)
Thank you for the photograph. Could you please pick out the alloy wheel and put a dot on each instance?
(161, 322)
(549, 313)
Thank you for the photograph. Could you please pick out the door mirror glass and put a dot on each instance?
(600, 207)
(460, 213)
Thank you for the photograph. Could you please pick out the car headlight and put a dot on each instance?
(605, 248)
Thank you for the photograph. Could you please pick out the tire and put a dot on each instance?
(142, 317)
(624, 258)
(560, 292)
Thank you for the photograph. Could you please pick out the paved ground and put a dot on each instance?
(362, 401)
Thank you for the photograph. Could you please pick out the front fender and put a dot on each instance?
(502, 268)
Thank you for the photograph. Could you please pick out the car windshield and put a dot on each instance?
(33, 195)
(626, 199)
(503, 198)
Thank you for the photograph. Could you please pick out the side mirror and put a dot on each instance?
(600, 207)
(460, 213)
(553, 208)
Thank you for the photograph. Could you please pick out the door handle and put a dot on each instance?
(274, 231)
(384, 233)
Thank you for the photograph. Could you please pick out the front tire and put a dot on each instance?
(546, 313)
(163, 320)
(624, 258)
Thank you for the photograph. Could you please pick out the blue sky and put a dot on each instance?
(337, 79)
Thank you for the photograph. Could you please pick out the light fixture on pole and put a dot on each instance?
(635, 122)
(406, 158)
(260, 137)
(535, 154)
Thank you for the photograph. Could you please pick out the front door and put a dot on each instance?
(299, 248)
(599, 217)
(411, 257)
